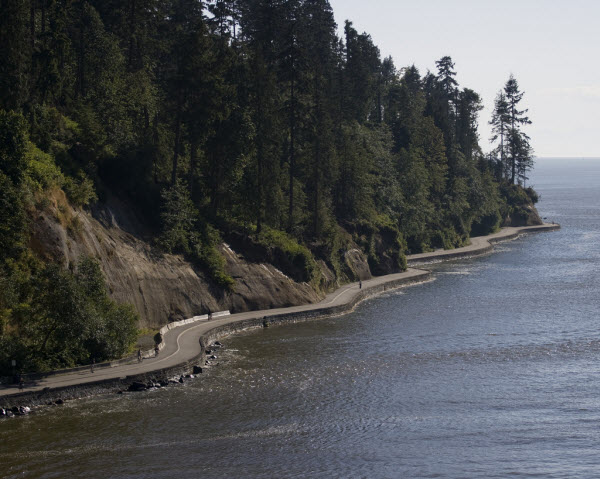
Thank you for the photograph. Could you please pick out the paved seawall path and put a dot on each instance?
(184, 346)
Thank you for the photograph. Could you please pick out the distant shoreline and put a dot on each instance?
(181, 352)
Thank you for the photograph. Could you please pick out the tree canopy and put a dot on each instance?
(254, 117)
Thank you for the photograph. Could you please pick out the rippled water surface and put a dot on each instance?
(492, 370)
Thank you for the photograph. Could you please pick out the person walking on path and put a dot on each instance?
(139, 355)
(359, 284)
(209, 316)
(156, 349)
(93, 364)
(21, 382)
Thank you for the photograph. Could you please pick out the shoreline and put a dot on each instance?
(180, 351)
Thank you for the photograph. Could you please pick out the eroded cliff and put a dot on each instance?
(164, 287)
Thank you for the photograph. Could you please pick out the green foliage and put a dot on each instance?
(179, 217)
(13, 146)
(66, 319)
(180, 234)
(206, 253)
(51, 131)
(42, 172)
(210, 257)
(518, 202)
(298, 255)
(13, 221)
(80, 190)
(285, 126)
(532, 194)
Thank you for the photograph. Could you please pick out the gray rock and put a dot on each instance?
(152, 282)
(197, 370)
(137, 386)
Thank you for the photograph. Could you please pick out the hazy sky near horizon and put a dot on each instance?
(550, 46)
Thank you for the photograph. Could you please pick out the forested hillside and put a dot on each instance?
(249, 122)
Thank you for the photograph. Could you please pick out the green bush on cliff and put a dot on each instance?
(519, 202)
(183, 232)
(213, 261)
(42, 172)
(80, 190)
(299, 256)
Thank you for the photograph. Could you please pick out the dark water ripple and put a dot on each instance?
(490, 371)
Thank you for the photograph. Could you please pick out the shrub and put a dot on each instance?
(42, 172)
(80, 190)
(209, 256)
(299, 256)
(532, 194)
(178, 217)
(67, 319)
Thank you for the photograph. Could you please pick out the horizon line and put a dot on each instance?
(567, 157)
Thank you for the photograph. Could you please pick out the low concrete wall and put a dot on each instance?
(40, 398)
(104, 386)
(150, 353)
(220, 331)
(485, 248)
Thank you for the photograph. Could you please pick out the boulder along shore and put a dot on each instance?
(186, 350)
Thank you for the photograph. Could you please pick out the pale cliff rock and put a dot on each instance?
(165, 287)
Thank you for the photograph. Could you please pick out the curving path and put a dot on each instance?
(182, 344)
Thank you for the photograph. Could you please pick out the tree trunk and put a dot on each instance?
(43, 17)
(317, 180)
(292, 155)
(32, 24)
(131, 35)
(193, 155)
(80, 64)
(177, 140)
(379, 106)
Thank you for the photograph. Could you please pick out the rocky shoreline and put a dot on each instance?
(209, 338)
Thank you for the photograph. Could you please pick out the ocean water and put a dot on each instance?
(490, 371)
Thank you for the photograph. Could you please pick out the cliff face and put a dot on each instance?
(164, 287)
(520, 208)
(525, 215)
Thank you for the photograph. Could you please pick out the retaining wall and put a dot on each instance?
(220, 331)
(50, 395)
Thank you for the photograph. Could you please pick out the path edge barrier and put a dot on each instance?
(219, 331)
(488, 247)
(48, 396)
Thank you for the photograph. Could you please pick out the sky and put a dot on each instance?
(550, 46)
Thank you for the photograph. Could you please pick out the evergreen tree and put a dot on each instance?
(250, 116)
(468, 106)
(442, 95)
(363, 66)
(500, 126)
(520, 154)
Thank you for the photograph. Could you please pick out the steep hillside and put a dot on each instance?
(164, 287)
